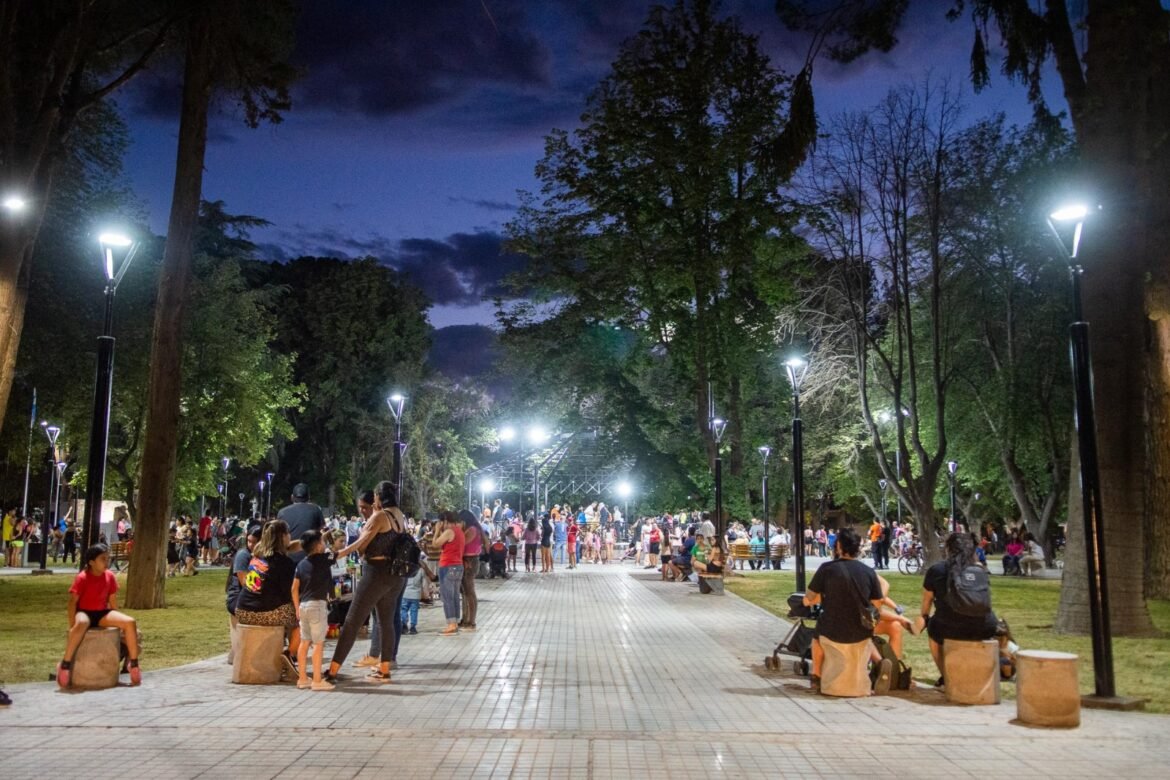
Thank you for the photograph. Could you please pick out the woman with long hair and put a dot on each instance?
(946, 623)
(545, 544)
(531, 544)
(378, 590)
(266, 592)
(473, 546)
(450, 540)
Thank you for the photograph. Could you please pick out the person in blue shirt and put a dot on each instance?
(759, 547)
(560, 537)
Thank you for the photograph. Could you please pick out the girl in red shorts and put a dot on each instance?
(93, 604)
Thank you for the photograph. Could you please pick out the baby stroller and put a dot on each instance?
(498, 560)
(797, 643)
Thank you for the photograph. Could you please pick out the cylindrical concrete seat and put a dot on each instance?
(971, 671)
(258, 651)
(96, 664)
(1048, 692)
(845, 670)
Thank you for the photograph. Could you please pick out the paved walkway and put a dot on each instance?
(602, 672)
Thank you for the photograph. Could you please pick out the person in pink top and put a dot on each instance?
(473, 547)
(1011, 554)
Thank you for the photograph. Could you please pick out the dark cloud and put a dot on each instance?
(383, 58)
(489, 205)
(464, 351)
(463, 269)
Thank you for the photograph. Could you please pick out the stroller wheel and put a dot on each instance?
(802, 667)
(768, 662)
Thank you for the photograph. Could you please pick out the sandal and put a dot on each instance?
(135, 672)
(64, 673)
(377, 677)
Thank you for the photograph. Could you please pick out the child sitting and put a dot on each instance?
(311, 590)
(92, 604)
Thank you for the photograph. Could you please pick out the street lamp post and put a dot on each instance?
(242, 503)
(259, 501)
(486, 485)
(52, 432)
(952, 468)
(99, 432)
(1094, 526)
(797, 368)
(718, 426)
(268, 511)
(766, 451)
(224, 488)
(624, 491)
(397, 404)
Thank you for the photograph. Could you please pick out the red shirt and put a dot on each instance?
(94, 591)
(204, 528)
(452, 552)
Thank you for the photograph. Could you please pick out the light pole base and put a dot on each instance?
(1116, 703)
(36, 572)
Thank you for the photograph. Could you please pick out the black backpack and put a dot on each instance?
(403, 555)
(969, 591)
(902, 676)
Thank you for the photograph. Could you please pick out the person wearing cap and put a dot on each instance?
(236, 574)
(300, 516)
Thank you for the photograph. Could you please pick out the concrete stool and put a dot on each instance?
(711, 585)
(845, 671)
(258, 655)
(1047, 690)
(971, 671)
(96, 663)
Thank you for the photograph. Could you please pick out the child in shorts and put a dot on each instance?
(311, 589)
(93, 604)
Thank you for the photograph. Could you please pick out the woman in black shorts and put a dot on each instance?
(545, 544)
(945, 623)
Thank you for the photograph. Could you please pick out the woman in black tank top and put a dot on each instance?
(378, 590)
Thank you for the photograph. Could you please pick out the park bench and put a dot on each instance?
(119, 555)
(779, 554)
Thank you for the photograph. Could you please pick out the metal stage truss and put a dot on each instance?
(569, 468)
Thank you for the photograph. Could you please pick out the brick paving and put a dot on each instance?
(601, 672)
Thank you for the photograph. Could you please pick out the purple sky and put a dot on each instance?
(418, 121)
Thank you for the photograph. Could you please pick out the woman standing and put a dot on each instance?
(545, 544)
(571, 537)
(531, 542)
(378, 590)
(473, 545)
(450, 541)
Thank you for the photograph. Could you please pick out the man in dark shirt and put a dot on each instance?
(301, 515)
(845, 588)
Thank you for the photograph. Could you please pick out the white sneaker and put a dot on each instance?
(365, 661)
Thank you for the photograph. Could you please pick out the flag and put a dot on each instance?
(32, 422)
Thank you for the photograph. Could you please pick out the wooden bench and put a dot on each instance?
(119, 555)
(779, 553)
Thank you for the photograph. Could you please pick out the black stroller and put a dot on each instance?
(797, 643)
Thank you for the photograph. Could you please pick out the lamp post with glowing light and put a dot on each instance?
(765, 453)
(226, 461)
(952, 470)
(534, 435)
(797, 368)
(624, 491)
(397, 404)
(1067, 225)
(51, 432)
(259, 501)
(718, 426)
(486, 485)
(268, 511)
(112, 246)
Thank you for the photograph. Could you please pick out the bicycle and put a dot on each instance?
(910, 561)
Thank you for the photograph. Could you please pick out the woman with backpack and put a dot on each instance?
(960, 591)
(379, 589)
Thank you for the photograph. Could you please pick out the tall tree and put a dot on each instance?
(359, 332)
(60, 59)
(239, 47)
(1118, 95)
(660, 215)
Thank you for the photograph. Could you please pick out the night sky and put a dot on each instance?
(418, 120)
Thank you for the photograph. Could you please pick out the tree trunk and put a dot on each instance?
(144, 584)
(1157, 527)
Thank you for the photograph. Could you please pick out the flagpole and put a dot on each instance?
(32, 424)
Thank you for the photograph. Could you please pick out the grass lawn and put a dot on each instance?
(33, 623)
(1141, 666)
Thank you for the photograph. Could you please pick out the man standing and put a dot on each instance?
(205, 535)
(301, 515)
(560, 536)
(846, 589)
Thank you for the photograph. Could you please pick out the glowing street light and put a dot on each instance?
(624, 490)
(118, 250)
(797, 368)
(14, 204)
(486, 485)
